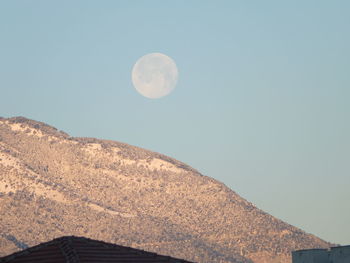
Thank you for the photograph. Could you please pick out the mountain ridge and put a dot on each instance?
(52, 184)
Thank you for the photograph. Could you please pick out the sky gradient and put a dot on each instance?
(261, 104)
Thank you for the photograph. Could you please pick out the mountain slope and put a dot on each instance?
(52, 185)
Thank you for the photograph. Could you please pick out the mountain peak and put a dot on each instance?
(54, 185)
(20, 123)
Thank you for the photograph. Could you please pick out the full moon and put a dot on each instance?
(154, 75)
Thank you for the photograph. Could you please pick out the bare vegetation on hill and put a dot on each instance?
(53, 185)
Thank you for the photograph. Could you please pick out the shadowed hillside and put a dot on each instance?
(53, 185)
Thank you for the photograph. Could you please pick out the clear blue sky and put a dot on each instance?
(262, 101)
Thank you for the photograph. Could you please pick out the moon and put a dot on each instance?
(154, 75)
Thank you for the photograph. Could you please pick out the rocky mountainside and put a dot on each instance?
(52, 185)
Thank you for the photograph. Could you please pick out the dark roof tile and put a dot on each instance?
(83, 250)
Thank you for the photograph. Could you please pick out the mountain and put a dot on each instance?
(53, 185)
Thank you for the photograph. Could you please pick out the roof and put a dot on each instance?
(310, 249)
(71, 249)
(341, 247)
